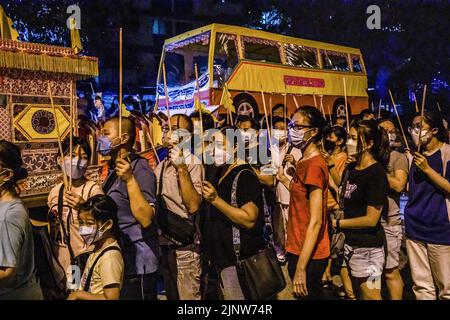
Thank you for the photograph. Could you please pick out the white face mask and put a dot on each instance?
(79, 167)
(278, 135)
(246, 136)
(221, 157)
(178, 137)
(352, 147)
(91, 234)
(415, 133)
(197, 128)
(392, 139)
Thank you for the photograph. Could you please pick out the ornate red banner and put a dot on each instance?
(304, 82)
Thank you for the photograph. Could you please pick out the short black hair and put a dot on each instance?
(247, 118)
(436, 121)
(365, 112)
(188, 120)
(76, 141)
(338, 131)
(103, 208)
(279, 119)
(10, 158)
(278, 106)
(128, 126)
(208, 121)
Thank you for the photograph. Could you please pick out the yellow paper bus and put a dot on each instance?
(249, 61)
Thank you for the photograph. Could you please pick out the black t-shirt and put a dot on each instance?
(218, 234)
(368, 187)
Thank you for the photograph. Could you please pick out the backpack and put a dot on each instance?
(51, 275)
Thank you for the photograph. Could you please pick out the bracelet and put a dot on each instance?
(338, 225)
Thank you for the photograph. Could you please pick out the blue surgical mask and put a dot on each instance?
(77, 167)
(297, 138)
(105, 145)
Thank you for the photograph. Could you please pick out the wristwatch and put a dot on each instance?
(338, 225)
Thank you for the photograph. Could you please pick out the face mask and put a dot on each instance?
(246, 136)
(90, 234)
(79, 167)
(415, 133)
(329, 145)
(179, 136)
(221, 157)
(392, 139)
(197, 128)
(105, 145)
(278, 135)
(352, 147)
(297, 138)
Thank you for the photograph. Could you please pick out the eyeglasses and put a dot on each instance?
(298, 127)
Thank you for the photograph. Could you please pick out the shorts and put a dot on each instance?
(364, 262)
(394, 237)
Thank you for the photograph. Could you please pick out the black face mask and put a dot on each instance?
(329, 145)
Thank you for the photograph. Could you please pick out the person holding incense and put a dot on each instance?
(427, 214)
(64, 201)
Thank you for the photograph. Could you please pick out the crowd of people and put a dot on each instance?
(327, 202)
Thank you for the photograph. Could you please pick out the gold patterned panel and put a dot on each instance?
(36, 123)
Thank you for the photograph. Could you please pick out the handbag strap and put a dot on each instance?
(236, 232)
(343, 188)
(87, 284)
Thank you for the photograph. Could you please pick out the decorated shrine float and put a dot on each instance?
(26, 115)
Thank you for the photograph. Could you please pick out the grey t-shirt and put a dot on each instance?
(397, 161)
(17, 251)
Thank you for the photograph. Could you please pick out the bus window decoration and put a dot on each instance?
(262, 50)
(186, 92)
(225, 58)
(356, 63)
(333, 60)
(301, 56)
(180, 58)
(201, 38)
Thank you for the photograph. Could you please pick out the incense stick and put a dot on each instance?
(120, 80)
(200, 110)
(167, 98)
(269, 131)
(58, 133)
(398, 118)
(346, 105)
(421, 117)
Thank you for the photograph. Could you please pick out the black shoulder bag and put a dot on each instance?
(174, 228)
(260, 276)
(87, 284)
